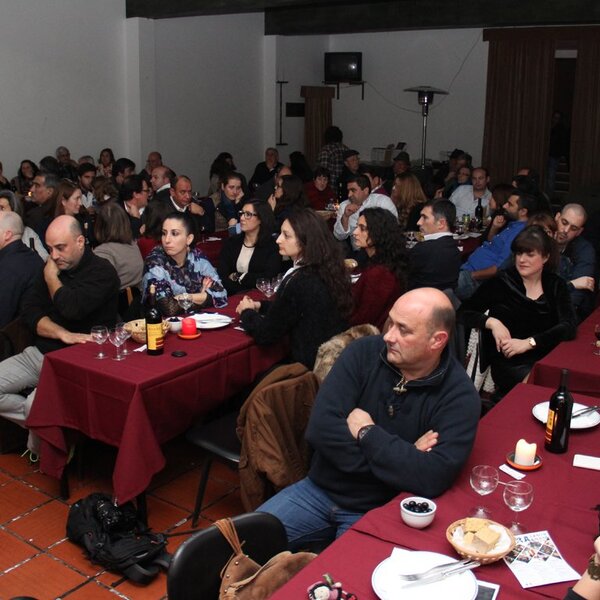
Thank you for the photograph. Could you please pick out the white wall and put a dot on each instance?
(397, 60)
(209, 74)
(62, 73)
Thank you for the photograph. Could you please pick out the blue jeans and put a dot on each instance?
(308, 514)
(466, 285)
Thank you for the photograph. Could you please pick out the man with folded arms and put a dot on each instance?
(396, 414)
(75, 291)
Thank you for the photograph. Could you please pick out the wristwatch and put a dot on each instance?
(363, 431)
(532, 342)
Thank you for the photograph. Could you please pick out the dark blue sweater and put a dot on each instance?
(362, 477)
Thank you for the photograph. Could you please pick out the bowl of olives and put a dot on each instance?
(417, 512)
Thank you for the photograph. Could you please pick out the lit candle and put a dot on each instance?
(525, 453)
(188, 326)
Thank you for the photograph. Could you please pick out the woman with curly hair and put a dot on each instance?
(24, 180)
(384, 278)
(289, 195)
(408, 196)
(314, 301)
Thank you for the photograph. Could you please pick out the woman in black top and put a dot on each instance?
(314, 300)
(529, 308)
(252, 254)
(288, 196)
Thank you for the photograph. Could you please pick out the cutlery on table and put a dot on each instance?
(443, 570)
(584, 411)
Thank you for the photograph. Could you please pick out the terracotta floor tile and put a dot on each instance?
(221, 471)
(15, 464)
(229, 506)
(17, 498)
(74, 556)
(4, 478)
(163, 515)
(44, 483)
(93, 591)
(13, 550)
(181, 491)
(40, 577)
(80, 490)
(44, 526)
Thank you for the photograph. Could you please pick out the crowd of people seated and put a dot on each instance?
(76, 235)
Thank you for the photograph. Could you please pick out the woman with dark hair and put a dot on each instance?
(384, 278)
(288, 196)
(221, 165)
(24, 179)
(153, 217)
(318, 191)
(68, 202)
(106, 162)
(528, 310)
(314, 301)
(227, 201)
(178, 267)
(253, 253)
(115, 243)
(408, 196)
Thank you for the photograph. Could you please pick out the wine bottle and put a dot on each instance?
(154, 331)
(479, 212)
(559, 417)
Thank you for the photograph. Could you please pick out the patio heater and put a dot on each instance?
(425, 98)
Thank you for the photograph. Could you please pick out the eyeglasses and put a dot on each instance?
(247, 214)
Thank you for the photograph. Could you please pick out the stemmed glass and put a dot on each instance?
(484, 480)
(518, 496)
(99, 335)
(410, 236)
(117, 340)
(126, 334)
(261, 284)
(185, 301)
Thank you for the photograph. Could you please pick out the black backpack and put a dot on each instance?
(114, 537)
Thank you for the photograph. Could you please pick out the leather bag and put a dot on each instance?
(244, 579)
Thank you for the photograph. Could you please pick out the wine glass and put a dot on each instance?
(261, 284)
(269, 288)
(185, 301)
(126, 334)
(99, 335)
(518, 496)
(597, 342)
(410, 236)
(484, 480)
(116, 339)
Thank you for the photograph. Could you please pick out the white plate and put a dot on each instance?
(540, 412)
(212, 321)
(462, 236)
(388, 586)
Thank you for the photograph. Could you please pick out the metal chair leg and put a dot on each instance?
(201, 490)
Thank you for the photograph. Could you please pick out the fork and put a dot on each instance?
(584, 411)
(464, 563)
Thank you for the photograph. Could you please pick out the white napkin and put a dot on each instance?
(140, 349)
(211, 318)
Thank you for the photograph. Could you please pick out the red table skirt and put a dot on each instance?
(141, 402)
(563, 505)
(577, 356)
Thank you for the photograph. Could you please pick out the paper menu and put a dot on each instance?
(535, 560)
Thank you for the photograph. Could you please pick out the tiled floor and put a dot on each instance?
(37, 560)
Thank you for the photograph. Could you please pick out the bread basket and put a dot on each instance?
(484, 559)
(138, 329)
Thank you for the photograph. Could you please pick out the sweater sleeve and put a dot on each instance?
(372, 294)
(471, 311)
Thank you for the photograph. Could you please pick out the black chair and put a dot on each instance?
(196, 566)
(219, 440)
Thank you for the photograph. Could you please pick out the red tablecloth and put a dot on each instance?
(564, 497)
(141, 402)
(212, 249)
(577, 356)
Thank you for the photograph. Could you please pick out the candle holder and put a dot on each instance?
(537, 463)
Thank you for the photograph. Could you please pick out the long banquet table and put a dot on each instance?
(577, 356)
(563, 505)
(141, 402)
